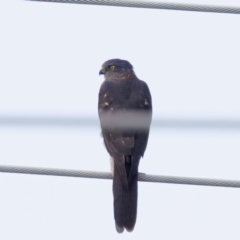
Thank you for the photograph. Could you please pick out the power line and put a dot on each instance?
(168, 123)
(154, 5)
(106, 175)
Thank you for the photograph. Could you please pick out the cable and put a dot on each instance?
(154, 5)
(105, 175)
(219, 124)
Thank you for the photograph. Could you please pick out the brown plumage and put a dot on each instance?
(125, 113)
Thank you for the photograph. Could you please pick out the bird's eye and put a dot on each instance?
(112, 67)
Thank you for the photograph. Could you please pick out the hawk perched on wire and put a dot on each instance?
(125, 112)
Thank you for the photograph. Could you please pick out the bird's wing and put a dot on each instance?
(116, 139)
(145, 102)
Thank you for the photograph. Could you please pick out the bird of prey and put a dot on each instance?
(125, 113)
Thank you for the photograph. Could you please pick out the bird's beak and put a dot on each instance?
(102, 71)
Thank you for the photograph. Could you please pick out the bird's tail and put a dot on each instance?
(125, 202)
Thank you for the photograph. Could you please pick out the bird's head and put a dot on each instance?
(117, 69)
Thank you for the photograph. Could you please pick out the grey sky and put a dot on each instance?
(50, 57)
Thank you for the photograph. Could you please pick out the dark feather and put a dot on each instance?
(125, 112)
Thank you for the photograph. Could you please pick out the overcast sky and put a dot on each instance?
(50, 56)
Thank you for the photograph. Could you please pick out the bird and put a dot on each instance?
(125, 113)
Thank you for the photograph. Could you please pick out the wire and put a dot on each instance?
(106, 175)
(219, 124)
(154, 5)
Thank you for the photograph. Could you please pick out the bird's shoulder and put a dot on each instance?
(107, 86)
(142, 95)
(144, 89)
